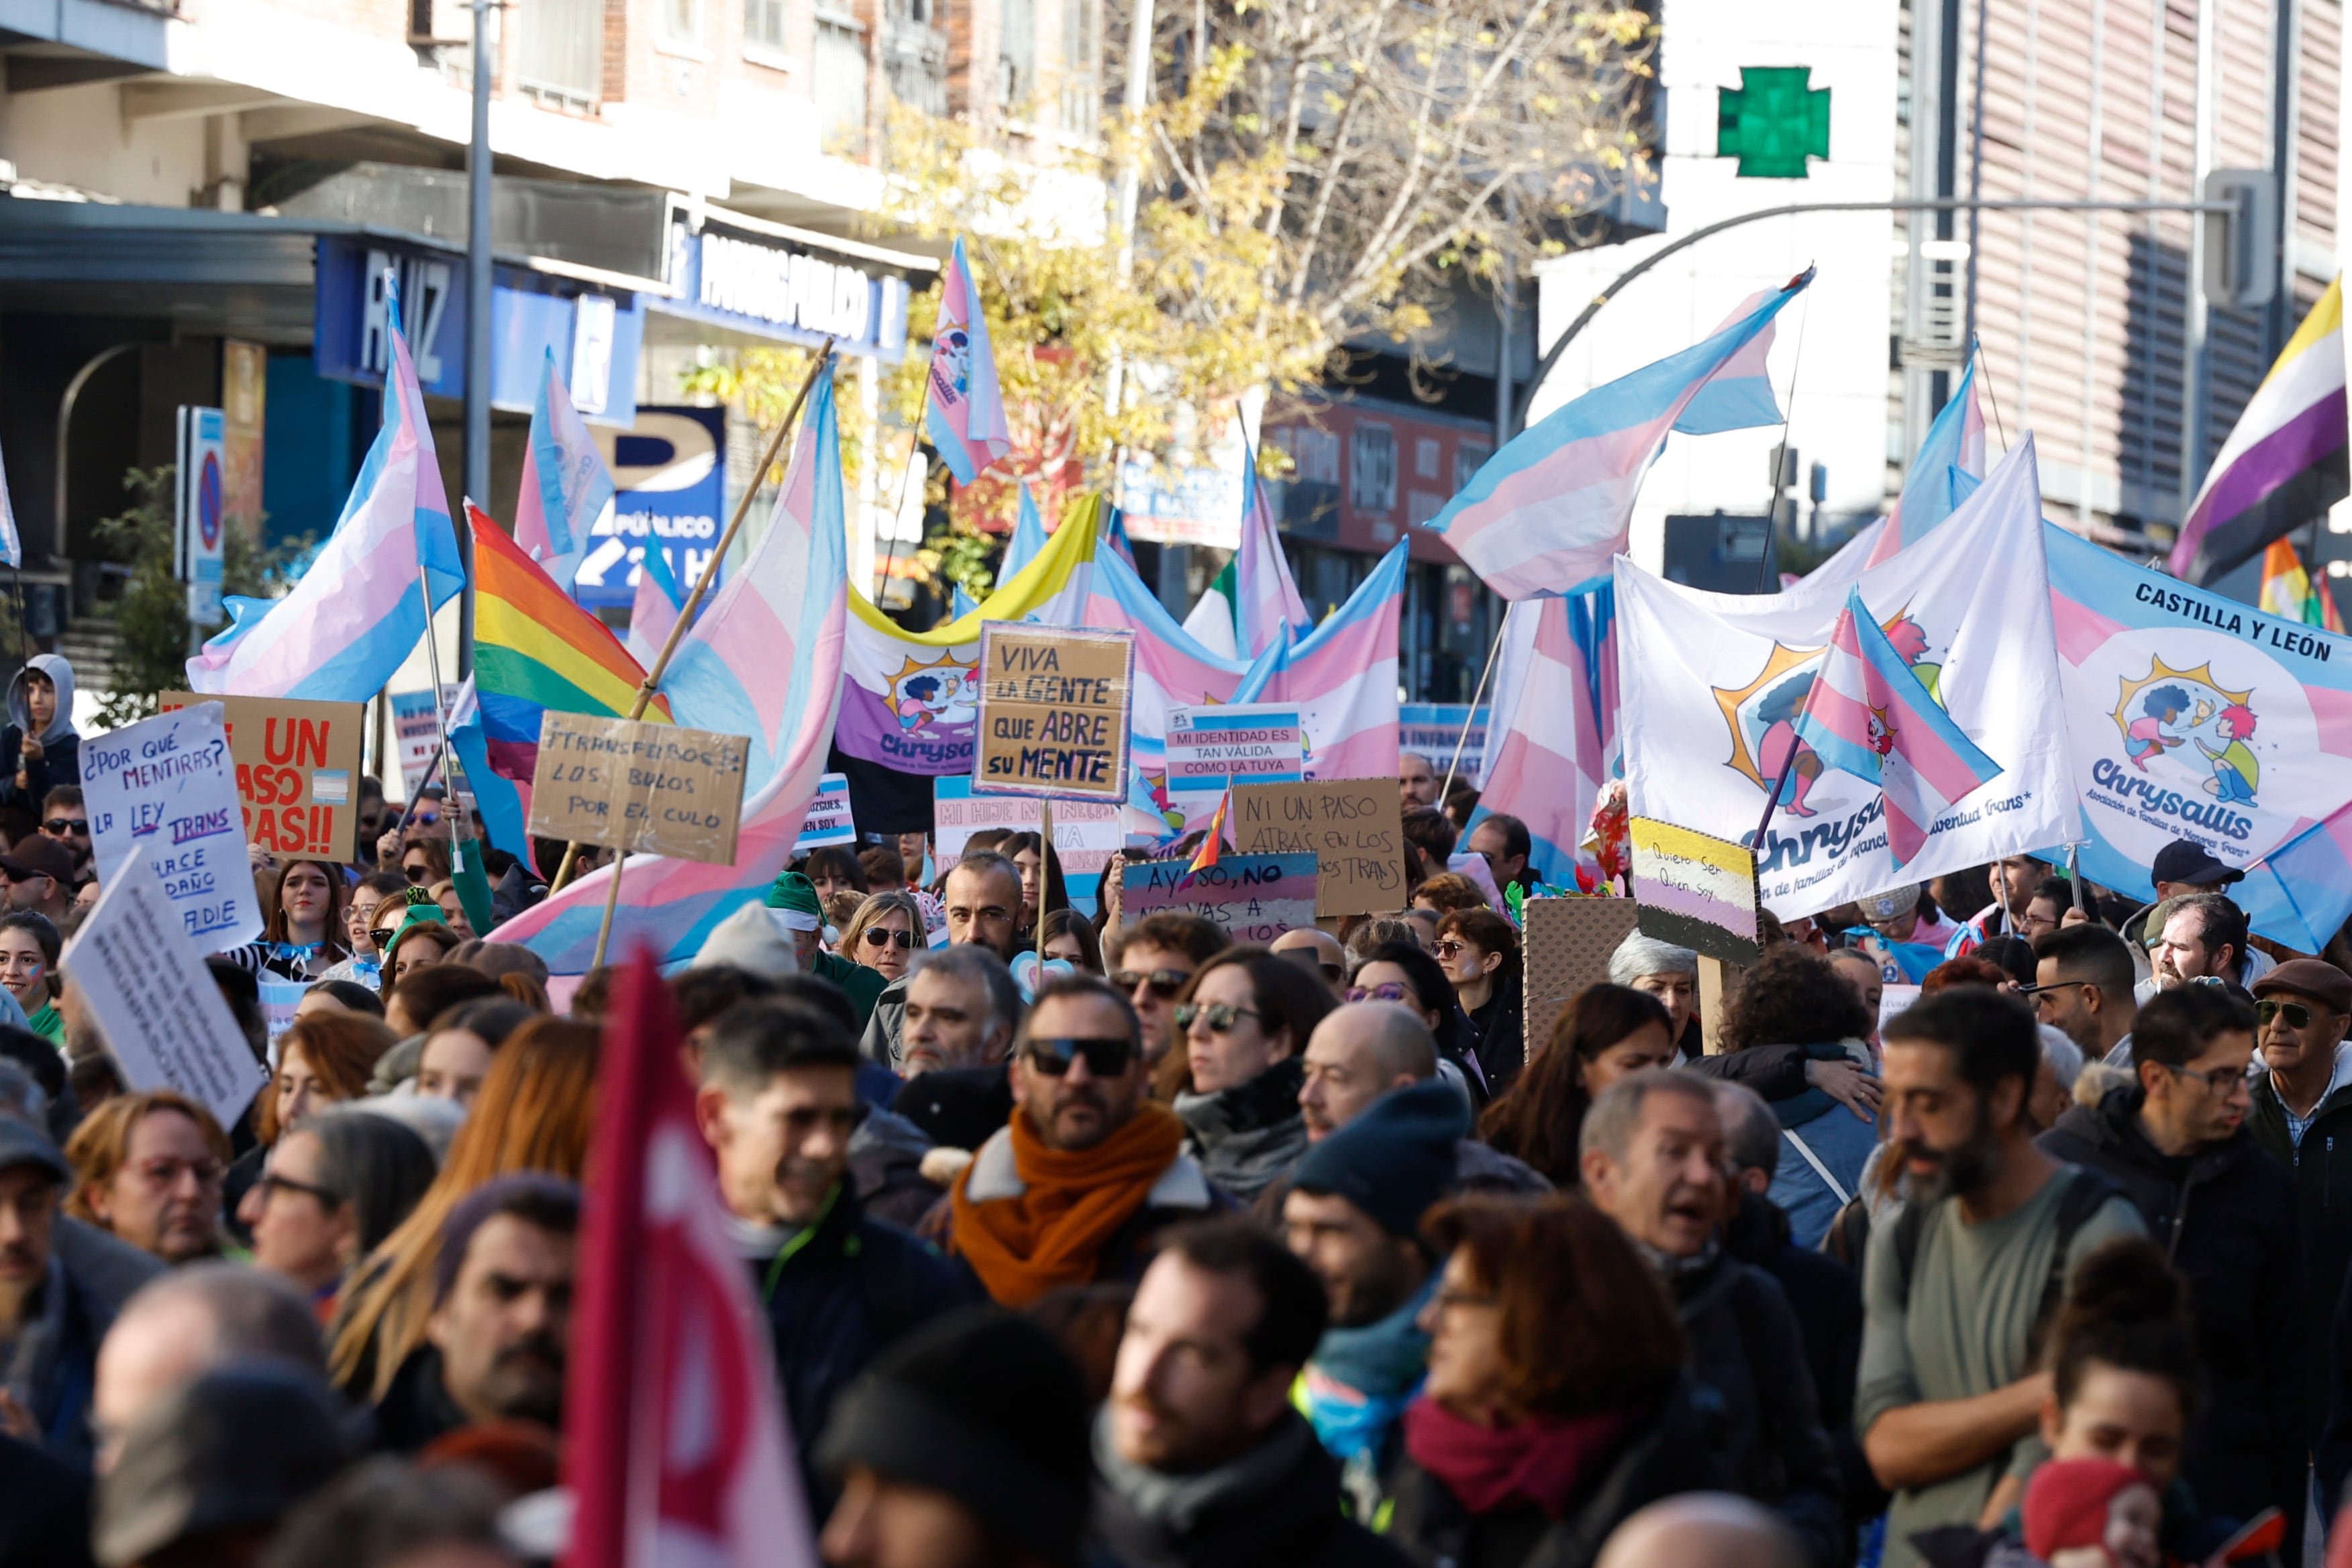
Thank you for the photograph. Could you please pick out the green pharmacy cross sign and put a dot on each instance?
(1773, 122)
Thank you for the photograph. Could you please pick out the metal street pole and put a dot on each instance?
(478, 322)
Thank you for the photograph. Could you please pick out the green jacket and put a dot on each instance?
(2323, 1179)
(862, 984)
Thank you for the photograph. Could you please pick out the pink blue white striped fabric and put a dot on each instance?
(656, 609)
(1547, 513)
(1869, 715)
(1171, 668)
(778, 625)
(963, 409)
(1268, 603)
(1955, 439)
(1552, 732)
(358, 612)
(565, 485)
(1343, 676)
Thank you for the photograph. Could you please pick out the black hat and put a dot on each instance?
(2184, 861)
(1395, 1160)
(37, 855)
(986, 1406)
(24, 1143)
(237, 1448)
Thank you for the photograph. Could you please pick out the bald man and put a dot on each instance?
(1358, 1053)
(190, 1321)
(1417, 781)
(1318, 952)
(1703, 1530)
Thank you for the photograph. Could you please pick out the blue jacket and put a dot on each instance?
(1841, 1141)
(836, 1295)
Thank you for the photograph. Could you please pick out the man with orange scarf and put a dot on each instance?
(1073, 1187)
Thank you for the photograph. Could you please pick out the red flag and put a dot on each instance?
(676, 1448)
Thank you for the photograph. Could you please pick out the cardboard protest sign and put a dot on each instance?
(1567, 942)
(1695, 891)
(828, 820)
(164, 791)
(1087, 834)
(298, 769)
(1211, 748)
(1053, 711)
(1351, 825)
(143, 983)
(639, 788)
(1251, 898)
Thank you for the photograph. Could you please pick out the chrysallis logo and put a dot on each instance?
(940, 693)
(1762, 714)
(2174, 722)
(951, 365)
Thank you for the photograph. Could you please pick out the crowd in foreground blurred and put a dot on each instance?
(1187, 1253)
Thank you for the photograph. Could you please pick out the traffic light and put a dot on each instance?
(1773, 121)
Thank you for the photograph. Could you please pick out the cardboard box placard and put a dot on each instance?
(298, 772)
(1567, 943)
(1053, 711)
(639, 788)
(1353, 826)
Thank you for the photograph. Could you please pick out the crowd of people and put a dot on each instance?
(1990, 1221)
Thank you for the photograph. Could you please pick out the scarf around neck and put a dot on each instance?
(1540, 1460)
(1075, 1200)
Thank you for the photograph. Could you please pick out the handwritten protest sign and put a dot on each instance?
(298, 768)
(1087, 834)
(164, 790)
(1242, 743)
(1351, 825)
(828, 820)
(1251, 898)
(144, 984)
(1695, 891)
(639, 788)
(1053, 711)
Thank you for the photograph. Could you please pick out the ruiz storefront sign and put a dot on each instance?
(765, 279)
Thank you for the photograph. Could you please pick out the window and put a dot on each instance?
(763, 24)
(1316, 452)
(840, 80)
(1016, 61)
(1426, 450)
(1373, 472)
(1081, 91)
(682, 21)
(563, 52)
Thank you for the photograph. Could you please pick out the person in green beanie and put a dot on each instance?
(791, 898)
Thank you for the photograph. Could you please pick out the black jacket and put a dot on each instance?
(1277, 1507)
(416, 1409)
(1667, 1453)
(1826, 1296)
(2323, 1182)
(1500, 1029)
(1747, 1370)
(44, 1510)
(836, 1298)
(2226, 1217)
(957, 1107)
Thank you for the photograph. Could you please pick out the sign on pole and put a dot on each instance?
(1352, 825)
(1695, 891)
(1087, 834)
(200, 510)
(1212, 749)
(298, 768)
(639, 788)
(164, 791)
(1250, 898)
(1053, 711)
(828, 820)
(144, 984)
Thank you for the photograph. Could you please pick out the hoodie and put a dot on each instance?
(60, 759)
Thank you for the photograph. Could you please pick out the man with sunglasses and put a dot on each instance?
(1087, 1171)
(2176, 1141)
(1149, 962)
(64, 819)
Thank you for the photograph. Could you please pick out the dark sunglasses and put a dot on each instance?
(1106, 1057)
(379, 934)
(878, 937)
(63, 825)
(418, 876)
(272, 1184)
(2298, 1016)
(1164, 983)
(1220, 1017)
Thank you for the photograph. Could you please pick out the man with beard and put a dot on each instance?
(501, 1323)
(1953, 1293)
(2083, 989)
(983, 896)
(1075, 1186)
(1353, 1214)
(778, 1105)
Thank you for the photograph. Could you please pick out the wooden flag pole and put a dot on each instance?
(1044, 875)
(694, 603)
(612, 903)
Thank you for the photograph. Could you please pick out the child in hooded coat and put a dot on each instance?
(40, 746)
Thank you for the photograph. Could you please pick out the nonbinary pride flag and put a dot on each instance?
(1868, 713)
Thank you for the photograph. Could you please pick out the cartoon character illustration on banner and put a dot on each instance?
(2167, 710)
(942, 692)
(1762, 714)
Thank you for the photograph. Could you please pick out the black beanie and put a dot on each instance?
(984, 1406)
(1394, 1160)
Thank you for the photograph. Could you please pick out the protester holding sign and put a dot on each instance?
(39, 738)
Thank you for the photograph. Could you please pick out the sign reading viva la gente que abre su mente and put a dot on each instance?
(1053, 711)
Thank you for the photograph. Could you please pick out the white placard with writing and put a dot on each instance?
(828, 820)
(164, 790)
(1210, 749)
(144, 984)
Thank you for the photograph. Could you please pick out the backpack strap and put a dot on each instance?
(1909, 1227)
(1820, 1169)
(2087, 1192)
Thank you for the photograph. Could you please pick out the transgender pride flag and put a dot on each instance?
(1869, 715)
(1553, 745)
(1172, 668)
(1546, 514)
(358, 612)
(565, 485)
(1955, 439)
(764, 661)
(963, 410)
(1343, 676)
(1028, 541)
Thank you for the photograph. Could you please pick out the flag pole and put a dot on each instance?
(1471, 718)
(693, 604)
(612, 903)
(441, 721)
(1044, 875)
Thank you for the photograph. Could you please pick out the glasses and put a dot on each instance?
(61, 826)
(1451, 947)
(379, 934)
(418, 876)
(2221, 1080)
(1220, 1017)
(1391, 992)
(2298, 1016)
(878, 937)
(272, 1184)
(167, 1172)
(1106, 1056)
(1164, 983)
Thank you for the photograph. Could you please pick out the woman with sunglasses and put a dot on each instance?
(304, 938)
(1606, 1032)
(1245, 1017)
(1480, 951)
(1399, 971)
(384, 890)
(884, 935)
